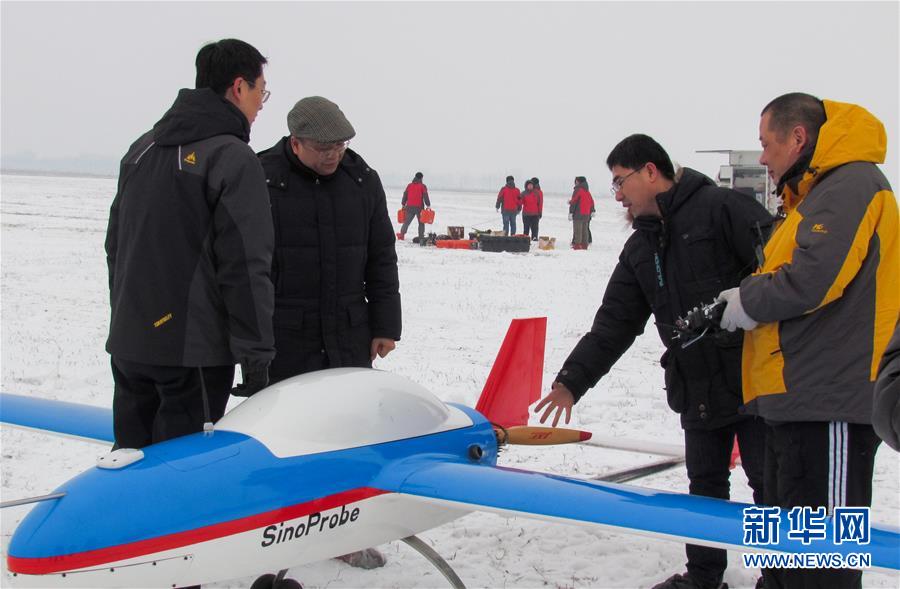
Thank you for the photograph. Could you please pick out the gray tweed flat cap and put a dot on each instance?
(319, 119)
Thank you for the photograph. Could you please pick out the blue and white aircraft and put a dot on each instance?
(277, 485)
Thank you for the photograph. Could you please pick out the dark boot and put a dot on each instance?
(685, 581)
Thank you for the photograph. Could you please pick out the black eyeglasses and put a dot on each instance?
(617, 183)
(325, 149)
(265, 93)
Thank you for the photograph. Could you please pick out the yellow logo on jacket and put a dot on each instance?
(163, 319)
(191, 158)
(819, 228)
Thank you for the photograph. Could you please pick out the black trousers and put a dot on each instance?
(156, 403)
(819, 464)
(530, 225)
(707, 457)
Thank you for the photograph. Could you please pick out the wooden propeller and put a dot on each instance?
(527, 435)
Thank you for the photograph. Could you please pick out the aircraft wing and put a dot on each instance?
(85, 422)
(669, 515)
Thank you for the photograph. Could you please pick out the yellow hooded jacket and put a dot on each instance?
(827, 296)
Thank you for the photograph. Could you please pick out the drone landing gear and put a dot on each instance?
(434, 558)
(279, 582)
(275, 582)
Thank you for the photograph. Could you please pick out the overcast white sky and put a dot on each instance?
(472, 90)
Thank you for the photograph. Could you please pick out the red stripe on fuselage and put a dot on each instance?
(79, 560)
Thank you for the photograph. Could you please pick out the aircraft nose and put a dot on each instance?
(156, 503)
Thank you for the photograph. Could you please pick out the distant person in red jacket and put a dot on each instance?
(532, 208)
(581, 206)
(537, 188)
(415, 198)
(509, 203)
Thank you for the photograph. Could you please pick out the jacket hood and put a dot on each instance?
(850, 134)
(687, 182)
(200, 114)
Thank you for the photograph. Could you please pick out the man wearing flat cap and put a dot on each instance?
(337, 293)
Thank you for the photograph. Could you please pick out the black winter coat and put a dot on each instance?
(705, 242)
(189, 242)
(335, 266)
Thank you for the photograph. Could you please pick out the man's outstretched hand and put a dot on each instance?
(559, 400)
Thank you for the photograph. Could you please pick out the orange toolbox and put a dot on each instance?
(457, 244)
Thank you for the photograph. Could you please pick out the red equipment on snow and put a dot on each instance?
(457, 244)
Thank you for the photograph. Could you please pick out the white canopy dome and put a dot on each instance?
(340, 408)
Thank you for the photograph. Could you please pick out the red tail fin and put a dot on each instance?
(735, 455)
(515, 379)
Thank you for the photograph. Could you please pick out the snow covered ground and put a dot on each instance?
(456, 309)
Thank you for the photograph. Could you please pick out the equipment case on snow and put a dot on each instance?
(503, 243)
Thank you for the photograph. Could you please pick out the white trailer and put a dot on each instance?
(745, 174)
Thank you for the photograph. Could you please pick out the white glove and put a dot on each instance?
(734, 317)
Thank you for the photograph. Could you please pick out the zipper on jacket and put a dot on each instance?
(658, 265)
(660, 246)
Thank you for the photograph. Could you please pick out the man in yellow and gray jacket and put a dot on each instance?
(820, 311)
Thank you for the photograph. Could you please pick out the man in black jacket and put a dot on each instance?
(337, 291)
(691, 240)
(189, 250)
